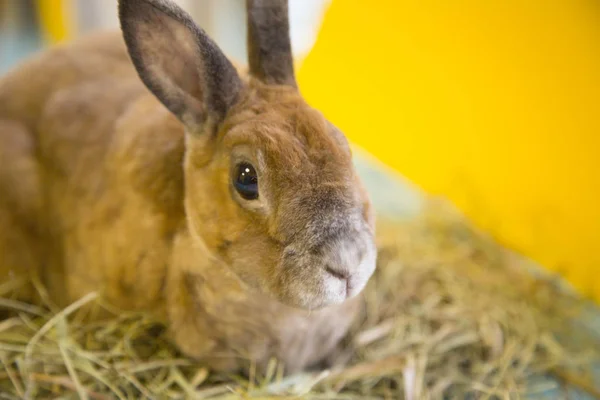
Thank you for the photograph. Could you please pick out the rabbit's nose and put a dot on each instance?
(349, 263)
(343, 275)
(344, 257)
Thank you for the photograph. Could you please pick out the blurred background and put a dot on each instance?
(494, 105)
(28, 25)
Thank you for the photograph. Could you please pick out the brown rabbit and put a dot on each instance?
(221, 202)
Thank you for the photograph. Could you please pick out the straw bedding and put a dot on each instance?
(448, 314)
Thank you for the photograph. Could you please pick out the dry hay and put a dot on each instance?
(449, 314)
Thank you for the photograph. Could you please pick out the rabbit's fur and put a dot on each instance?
(108, 186)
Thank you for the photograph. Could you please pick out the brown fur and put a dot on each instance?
(107, 186)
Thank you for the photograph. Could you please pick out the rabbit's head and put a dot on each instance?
(270, 187)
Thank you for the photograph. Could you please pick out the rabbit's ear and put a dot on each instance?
(178, 62)
(269, 48)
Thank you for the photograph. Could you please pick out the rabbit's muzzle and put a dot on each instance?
(319, 270)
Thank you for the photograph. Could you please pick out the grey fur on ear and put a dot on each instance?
(269, 46)
(177, 61)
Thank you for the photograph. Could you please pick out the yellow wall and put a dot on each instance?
(56, 19)
(494, 104)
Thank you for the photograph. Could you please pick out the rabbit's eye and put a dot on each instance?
(245, 181)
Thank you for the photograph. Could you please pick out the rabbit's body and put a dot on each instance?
(105, 189)
(45, 199)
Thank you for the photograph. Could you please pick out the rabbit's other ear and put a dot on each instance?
(178, 62)
(269, 47)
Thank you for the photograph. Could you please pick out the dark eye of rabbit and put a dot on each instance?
(246, 182)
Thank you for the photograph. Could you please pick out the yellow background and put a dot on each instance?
(494, 104)
(57, 21)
